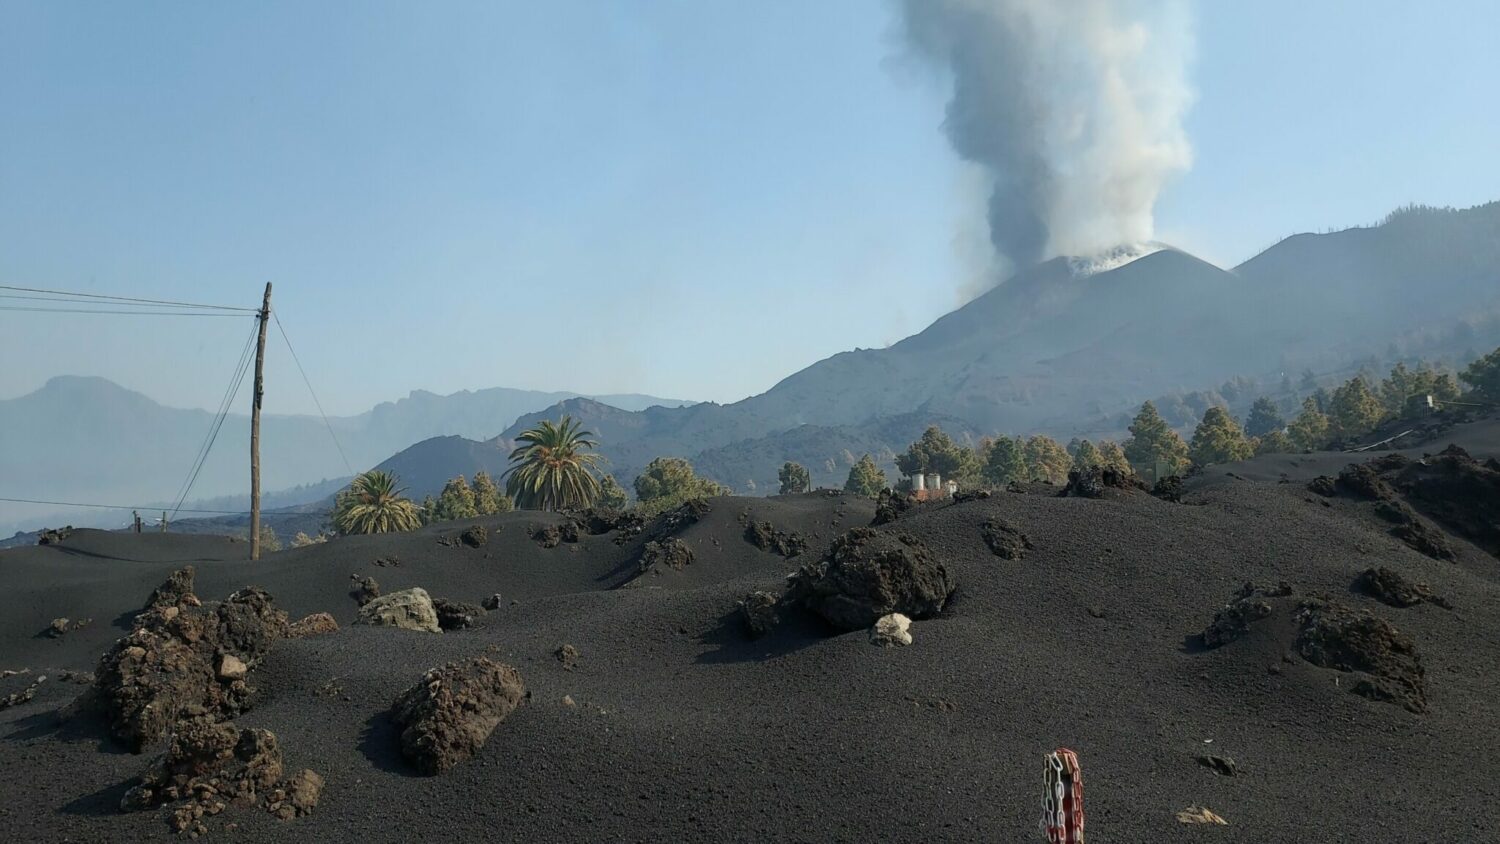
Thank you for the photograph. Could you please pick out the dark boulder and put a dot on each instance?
(449, 714)
(868, 574)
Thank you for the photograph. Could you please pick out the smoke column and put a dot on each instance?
(1073, 108)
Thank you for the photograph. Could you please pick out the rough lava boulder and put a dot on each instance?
(450, 713)
(868, 574)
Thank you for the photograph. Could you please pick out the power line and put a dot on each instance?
(119, 299)
(117, 313)
(213, 436)
(312, 392)
(120, 506)
(224, 402)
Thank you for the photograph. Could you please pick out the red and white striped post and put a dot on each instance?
(1062, 803)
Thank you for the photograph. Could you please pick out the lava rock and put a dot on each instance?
(455, 615)
(759, 612)
(492, 602)
(766, 537)
(1334, 636)
(1095, 481)
(450, 713)
(317, 624)
(364, 590)
(1005, 539)
(672, 553)
(475, 536)
(1248, 606)
(868, 574)
(1389, 587)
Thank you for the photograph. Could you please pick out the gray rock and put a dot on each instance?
(891, 631)
(409, 609)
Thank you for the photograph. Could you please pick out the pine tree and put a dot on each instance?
(1309, 431)
(794, 478)
(1085, 455)
(1354, 410)
(1155, 450)
(456, 501)
(1275, 442)
(935, 451)
(865, 478)
(1048, 460)
(1483, 375)
(611, 494)
(488, 500)
(1219, 439)
(1111, 456)
(1005, 462)
(1264, 418)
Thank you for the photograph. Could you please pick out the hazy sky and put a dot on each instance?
(690, 199)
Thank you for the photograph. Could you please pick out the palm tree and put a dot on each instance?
(373, 504)
(551, 468)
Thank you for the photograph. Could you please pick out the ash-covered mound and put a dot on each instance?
(1344, 639)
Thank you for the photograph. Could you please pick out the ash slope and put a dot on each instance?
(687, 731)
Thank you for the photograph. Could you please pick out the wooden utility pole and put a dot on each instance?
(260, 389)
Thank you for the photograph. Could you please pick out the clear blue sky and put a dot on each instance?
(690, 199)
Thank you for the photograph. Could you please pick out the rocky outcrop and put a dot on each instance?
(185, 661)
(409, 609)
(868, 574)
(1389, 587)
(449, 714)
(475, 536)
(1096, 481)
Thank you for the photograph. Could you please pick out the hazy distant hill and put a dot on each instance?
(88, 439)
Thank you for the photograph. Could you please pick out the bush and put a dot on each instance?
(865, 478)
(1218, 439)
(794, 478)
(672, 479)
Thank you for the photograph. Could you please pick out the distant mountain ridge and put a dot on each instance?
(1049, 350)
(87, 439)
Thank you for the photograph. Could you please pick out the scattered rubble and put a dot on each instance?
(672, 553)
(62, 626)
(567, 655)
(54, 536)
(766, 537)
(25, 695)
(889, 506)
(449, 714)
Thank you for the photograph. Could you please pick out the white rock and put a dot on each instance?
(409, 609)
(891, 630)
(232, 667)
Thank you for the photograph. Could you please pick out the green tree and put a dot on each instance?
(969, 474)
(611, 494)
(488, 500)
(1111, 456)
(372, 503)
(865, 478)
(669, 481)
(553, 467)
(935, 451)
(1264, 418)
(1275, 442)
(1354, 410)
(1154, 449)
(794, 478)
(1309, 431)
(427, 513)
(1400, 385)
(1483, 376)
(1048, 460)
(1006, 462)
(1085, 456)
(1219, 439)
(456, 501)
